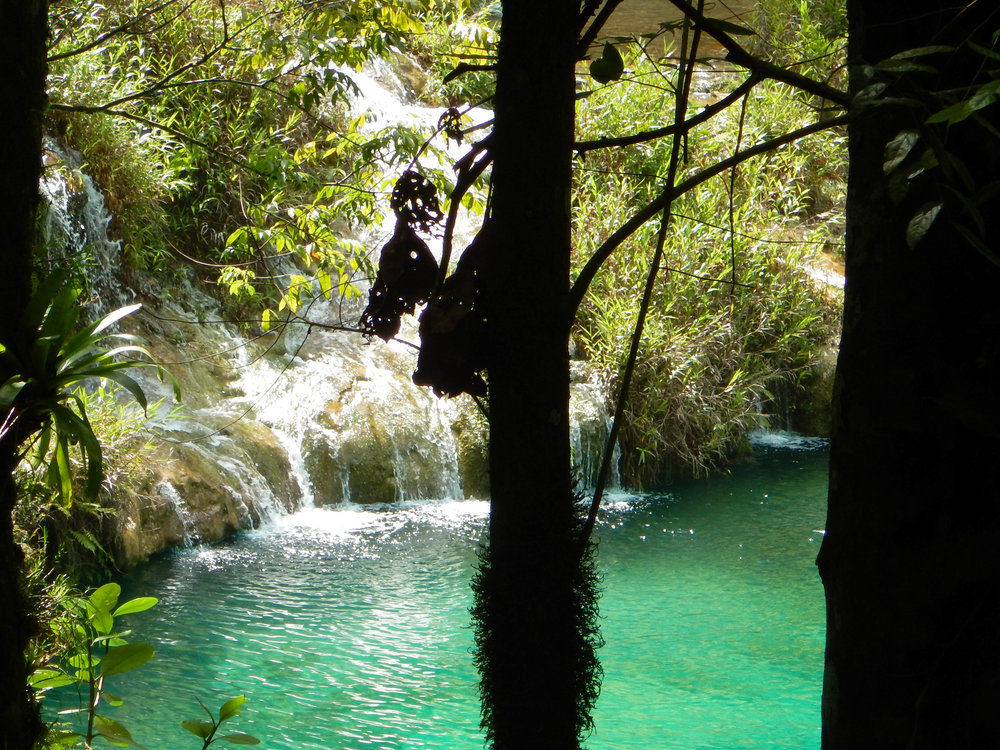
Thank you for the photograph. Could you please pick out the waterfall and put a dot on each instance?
(303, 416)
(74, 227)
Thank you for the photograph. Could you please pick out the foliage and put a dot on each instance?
(491, 605)
(73, 538)
(42, 367)
(921, 160)
(208, 730)
(736, 314)
(86, 650)
(96, 653)
(806, 34)
(211, 111)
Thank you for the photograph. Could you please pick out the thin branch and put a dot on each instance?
(706, 114)
(588, 37)
(684, 74)
(124, 28)
(464, 67)
(737, 55)
(469, 170)
(589, 271)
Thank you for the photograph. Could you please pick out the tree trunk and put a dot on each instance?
(910, 558)
(23, 29)
(531, 645)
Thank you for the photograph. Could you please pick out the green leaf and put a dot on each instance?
(125, 658)
(609, 66)
(232, 707)
(140, 604)
(238, 738)
(83, 661)
(198, 728)
(104, 598)
(114, 732)
(325, 283)
(112, 699)
(44, 679)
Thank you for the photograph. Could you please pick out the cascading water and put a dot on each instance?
(318, 416)
(75, 226)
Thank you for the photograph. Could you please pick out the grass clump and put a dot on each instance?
(737, 315)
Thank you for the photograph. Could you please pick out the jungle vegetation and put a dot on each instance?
(219, 135)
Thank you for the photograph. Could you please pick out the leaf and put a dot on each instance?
(978, 244)
(43, 679)
(922, 51)
(238, 738)
(111, 318)
(114, 732)
(112, 699)
(898, 148)
(609, 66)
(125, 658)
(105, 598)
(140, 604)
(198, 728)
(325, 283)
(921, 222)
(232, 707)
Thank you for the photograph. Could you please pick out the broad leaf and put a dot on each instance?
(136, 605)
(114, 732)
(921, 223)
(126, 657)
(198, 728)
(232, 707)
(609, 66)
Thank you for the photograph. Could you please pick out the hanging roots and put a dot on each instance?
(500, 625)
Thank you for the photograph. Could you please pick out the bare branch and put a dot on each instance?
(649, 135)
(125, 28)
(591, 33)
(589, 271)
(737, 55)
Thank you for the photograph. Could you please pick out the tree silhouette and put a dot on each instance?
(910, 555)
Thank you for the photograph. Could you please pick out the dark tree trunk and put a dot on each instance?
(530, 640)
(23, 28)
(911, 555)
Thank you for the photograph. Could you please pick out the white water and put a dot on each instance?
(342, 412)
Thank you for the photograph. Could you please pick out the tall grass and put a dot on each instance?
(737, 315)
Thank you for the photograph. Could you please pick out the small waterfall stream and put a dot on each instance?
(318, 417)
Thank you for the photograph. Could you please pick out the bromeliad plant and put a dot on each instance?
(41, 370)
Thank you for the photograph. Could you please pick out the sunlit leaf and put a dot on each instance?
(232, 707)
(198, 728)
(125, 658)
(140, 604)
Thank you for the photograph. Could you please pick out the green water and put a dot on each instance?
(348, 629)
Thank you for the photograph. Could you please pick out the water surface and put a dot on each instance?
(349, 628)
